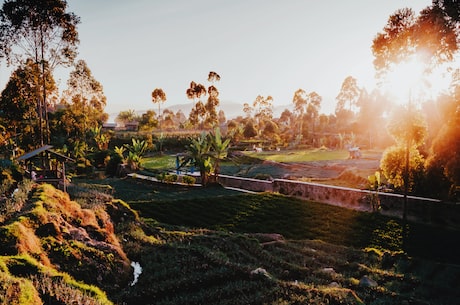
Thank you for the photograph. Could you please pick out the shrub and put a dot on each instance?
(161, 177)
(100, 158)
(112, 165)
(171, 178)
(188, 180)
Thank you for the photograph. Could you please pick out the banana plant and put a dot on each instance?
(219, 149)
(135, 152)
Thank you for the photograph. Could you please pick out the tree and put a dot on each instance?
(249, 130)
(394, 168)
(147, 121)
(300, 103)
(87, 99)
(126, 116)
(17, 106)
(307, 107)
(371, 116)
(433, 33)
(313, 106)
(158, 97)
(212, 103)
(408, 128)
(446, 145)
(194, 92)
(263, 110)
(204, 115)
(43, 31)
(347, 100)
(247, 109)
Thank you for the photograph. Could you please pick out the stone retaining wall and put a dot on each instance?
(248, 184)
(419, 209)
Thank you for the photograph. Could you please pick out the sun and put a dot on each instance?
(412, 81)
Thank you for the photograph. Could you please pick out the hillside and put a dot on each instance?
(56, 250)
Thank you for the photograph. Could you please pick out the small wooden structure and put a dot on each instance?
(54, 174)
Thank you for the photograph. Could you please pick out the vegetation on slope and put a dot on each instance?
(49, 237)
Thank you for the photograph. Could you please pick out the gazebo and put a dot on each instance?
(47, 173)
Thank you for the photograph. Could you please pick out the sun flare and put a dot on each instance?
(412, 81)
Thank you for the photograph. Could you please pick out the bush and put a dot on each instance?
(188, 180)
(171, 178)
(100, 158)
(161, 177)
(112, 165)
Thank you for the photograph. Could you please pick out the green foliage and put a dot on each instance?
(389, 237)
(115, 159)
(135, 153)
(198, 152)
(393, 166)
(219, 148)
(26, 281)
(407, 126)
(188, 180)
(171, 178)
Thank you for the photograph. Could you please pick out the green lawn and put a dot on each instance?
(159, 162)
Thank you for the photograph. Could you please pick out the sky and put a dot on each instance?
(258, 47)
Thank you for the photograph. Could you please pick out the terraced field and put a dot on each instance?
(222, 247)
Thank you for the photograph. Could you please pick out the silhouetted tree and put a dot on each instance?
(347, 100)
(433, 33)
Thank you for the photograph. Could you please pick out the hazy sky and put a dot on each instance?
(258, 47)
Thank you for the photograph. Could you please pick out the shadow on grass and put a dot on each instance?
(217, 208)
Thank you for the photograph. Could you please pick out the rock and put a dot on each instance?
(260, 271)
(365, 281)
(334, 285)
(328, 270)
